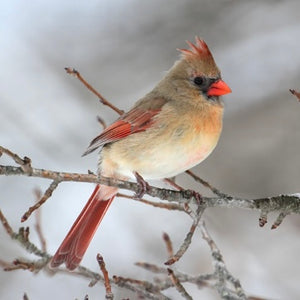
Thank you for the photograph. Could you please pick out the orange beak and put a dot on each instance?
(218, 88)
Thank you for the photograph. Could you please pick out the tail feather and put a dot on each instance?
(81, 233)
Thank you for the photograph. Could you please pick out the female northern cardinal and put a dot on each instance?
(171, 129)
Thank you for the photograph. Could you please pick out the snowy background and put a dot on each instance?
(123, 48)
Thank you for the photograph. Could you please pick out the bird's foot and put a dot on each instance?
(143, 186)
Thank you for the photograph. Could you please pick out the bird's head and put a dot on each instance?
(196, 74)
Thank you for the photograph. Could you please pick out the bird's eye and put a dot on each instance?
(199, 80)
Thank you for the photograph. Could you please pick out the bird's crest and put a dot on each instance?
(198, 50)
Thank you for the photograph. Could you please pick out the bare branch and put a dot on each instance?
(165, 194)
(25, 297)
(6, 225)
(48, 193)
(22, 238)
(25, 163)
(173, 184)
(149, 290)
(143, 289)
(88, 86)
(207, 185)
(152, 268)
(199, 280)
(221, 273)
(279, 219)
(179, 287)
(101, 122)
(109, 295)
(286, 204)
(4, 264)
(295, 93)
(169, 245)
(38, 226)
(36, 266)
(188, 239)
(20, 264)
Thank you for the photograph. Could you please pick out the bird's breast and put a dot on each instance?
(168, 148)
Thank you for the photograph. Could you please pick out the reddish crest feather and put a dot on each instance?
(198, 50)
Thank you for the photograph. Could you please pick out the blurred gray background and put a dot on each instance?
(123, 48)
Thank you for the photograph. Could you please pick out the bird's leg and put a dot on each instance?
(143, 186)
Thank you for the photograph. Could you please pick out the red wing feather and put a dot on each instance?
(134, 121)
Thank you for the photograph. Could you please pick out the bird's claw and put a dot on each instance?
(143, 186)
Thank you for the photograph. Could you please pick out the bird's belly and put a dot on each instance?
(170, 164)
(166, 160)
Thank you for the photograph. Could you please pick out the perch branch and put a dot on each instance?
(282, 204)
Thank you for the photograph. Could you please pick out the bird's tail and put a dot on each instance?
(76, 242)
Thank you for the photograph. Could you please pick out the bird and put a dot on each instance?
(168, 131)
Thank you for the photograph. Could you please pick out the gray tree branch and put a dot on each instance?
(282, 204)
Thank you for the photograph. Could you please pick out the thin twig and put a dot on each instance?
(151, 267)
(144, 289)
(179, 287)
(37, 265)
(221, 273)
(295, 93)
(24, 232)
(149, 289)
(4, 264)
(169, 245)
(109, 295)
(279, 220)
(147, 285)
(25, 163)
(19, 264)
(188, 239)
(38, 223)
(6, 225)
(101, 122)
(88, 86)
(22, 238)
(173, 184)
(25, 297)
(199, 280)
(207, 185)
(48, 193)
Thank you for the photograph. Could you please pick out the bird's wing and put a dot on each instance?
(139, 118)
